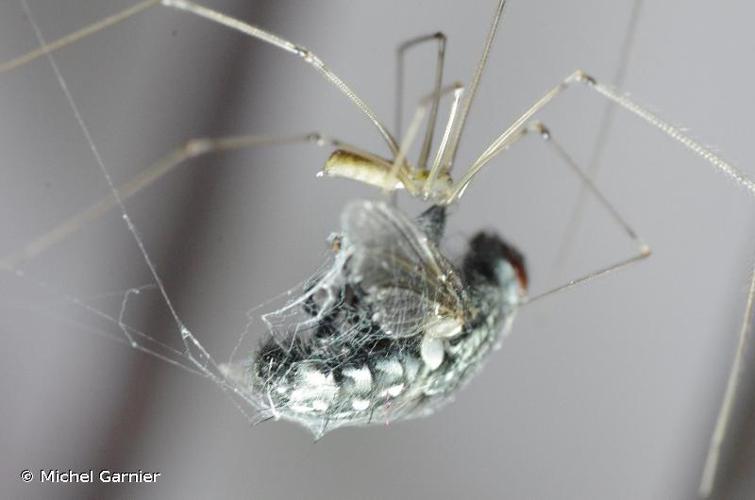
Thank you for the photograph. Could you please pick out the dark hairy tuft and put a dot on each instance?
(485, 250)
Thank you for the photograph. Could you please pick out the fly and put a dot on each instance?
(391, 330)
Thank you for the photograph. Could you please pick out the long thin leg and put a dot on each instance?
(604, 129)
(707, 480)
(643, 250)
(440, 38)
(420, 187)
(220, 18)
(77, 35)
(505, 139)
(166, 164)
(437, 168)
(449, 153)
(510, 135)
(417, 185)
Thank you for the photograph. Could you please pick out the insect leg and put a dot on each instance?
(220, 18)
(643, 250)
(166, 164)
(440, 38)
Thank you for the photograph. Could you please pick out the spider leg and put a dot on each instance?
(179, 156)
(440, 38)
(399, 164)
(448, 155)
(604, 130)
(511, 134)
(707, 480)
(643, 250)
(77, 35)
(217, 17)
(437, 167)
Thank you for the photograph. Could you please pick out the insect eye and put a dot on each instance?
(516, 259)
(487, 249)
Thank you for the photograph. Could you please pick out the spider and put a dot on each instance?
(428, 178)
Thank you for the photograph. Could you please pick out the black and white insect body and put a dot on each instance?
(391, 330)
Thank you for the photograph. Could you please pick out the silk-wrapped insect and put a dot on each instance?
(391, 329)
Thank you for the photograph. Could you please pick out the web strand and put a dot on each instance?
(188, 339)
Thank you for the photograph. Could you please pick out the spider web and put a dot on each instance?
(108, 314)
(292, 326)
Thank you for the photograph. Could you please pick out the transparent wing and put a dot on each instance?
(384, 279)
(409, 284)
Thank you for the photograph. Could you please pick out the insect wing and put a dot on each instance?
(409, 284)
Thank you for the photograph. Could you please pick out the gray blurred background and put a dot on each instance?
(609, 390)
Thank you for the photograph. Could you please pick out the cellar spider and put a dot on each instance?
(433, 183)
